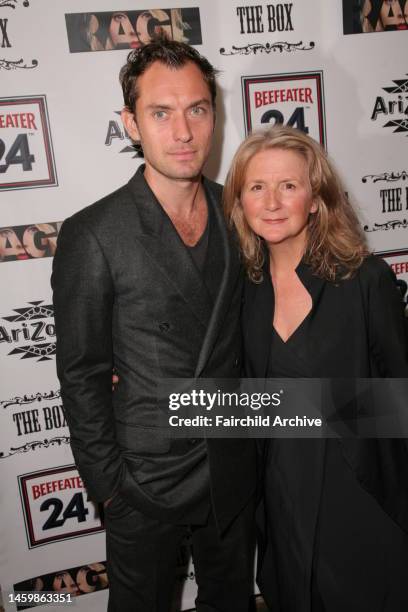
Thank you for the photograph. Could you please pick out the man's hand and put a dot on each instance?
(107, 502)
(115, 381)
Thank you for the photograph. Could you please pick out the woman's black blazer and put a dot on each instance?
(356, 329)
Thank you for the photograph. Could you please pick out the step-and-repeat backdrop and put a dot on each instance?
(336, 70)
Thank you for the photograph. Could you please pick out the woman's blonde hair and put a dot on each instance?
(336, 246)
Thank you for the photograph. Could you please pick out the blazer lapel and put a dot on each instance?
(229, 259)
(314, 284)
(163, 244)
(259, 328)
(215, 260)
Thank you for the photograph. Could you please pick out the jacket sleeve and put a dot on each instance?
(83, 300)
(387, 325)
(381, 464)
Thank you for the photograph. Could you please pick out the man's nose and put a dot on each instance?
(181, 128)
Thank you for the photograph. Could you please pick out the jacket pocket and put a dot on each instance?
(143, 440)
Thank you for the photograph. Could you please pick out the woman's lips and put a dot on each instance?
(273, 221)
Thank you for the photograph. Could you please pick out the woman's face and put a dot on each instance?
(392, 15)
(143, 27)
(122, 33)
(276, 196)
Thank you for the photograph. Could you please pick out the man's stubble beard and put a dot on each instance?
(176, 172)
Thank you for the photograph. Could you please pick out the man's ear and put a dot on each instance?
(129, 122)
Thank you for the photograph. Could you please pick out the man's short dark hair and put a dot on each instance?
(170, 53)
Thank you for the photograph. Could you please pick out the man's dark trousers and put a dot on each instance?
(142, 561)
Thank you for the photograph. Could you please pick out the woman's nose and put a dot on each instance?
(272, 199)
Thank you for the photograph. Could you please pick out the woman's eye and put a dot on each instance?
(119, 17)
(256, 187)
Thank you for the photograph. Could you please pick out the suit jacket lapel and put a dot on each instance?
(224, 256)
(215, 259)
(165, 247)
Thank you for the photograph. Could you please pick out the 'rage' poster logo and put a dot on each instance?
(26, 155)
(364, 16)
(23, 242)
(75, 581)
(294, 99)
(114, 30)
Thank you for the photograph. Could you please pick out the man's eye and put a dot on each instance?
(197, 110)
(289, 186)
(159, 114)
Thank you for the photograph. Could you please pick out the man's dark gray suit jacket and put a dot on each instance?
(127, 294)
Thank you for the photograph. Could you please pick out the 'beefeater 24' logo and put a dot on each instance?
(56, 507)
(26, 155)
(294, 99)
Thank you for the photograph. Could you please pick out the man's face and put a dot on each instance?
(174, 120)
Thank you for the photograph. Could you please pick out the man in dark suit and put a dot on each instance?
(148, 281)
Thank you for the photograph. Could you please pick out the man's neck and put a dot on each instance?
(179, 197)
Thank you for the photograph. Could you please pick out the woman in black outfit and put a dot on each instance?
(317, 304)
